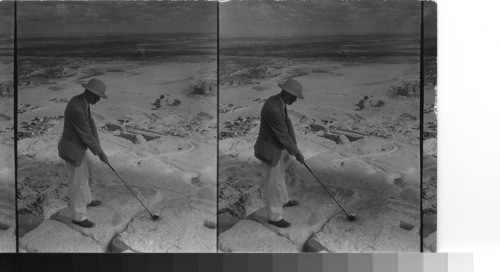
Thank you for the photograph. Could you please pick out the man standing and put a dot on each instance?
(275, 134)
(80, 133)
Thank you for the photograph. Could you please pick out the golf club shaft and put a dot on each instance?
(325, 188)
(129, 188)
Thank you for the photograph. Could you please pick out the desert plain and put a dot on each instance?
(358, 128)
(158, 128)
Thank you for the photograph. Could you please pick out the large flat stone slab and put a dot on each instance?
(205, 199)
(180, 229)
(107, 223)
(7, 211)
(7, 204)
(252, 237)
(53, 236)
(352, 173)
(118, 209)
(377, 229)
(27, 223)
(8, 240)
(430, 243)
(119, 199)
(315, 209)
(225, 221)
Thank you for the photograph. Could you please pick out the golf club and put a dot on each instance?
(154, 217)
(350, 217)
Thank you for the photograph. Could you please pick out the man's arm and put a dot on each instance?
(81, 124)
(290, 130)
(94, 130)
(276, 121)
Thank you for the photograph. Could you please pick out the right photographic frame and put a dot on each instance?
(327, 126)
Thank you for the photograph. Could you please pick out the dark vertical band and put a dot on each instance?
(15, 124)
(421, 122)
(217, 137)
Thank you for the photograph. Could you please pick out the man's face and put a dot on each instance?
(290, 99)
(94, 99)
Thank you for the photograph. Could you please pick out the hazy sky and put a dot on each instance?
(254, 18)
(88, 18)
(430, 18)
(321, 16)
(6, 17)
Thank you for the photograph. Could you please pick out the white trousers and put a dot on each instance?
(79, 190)
(275, 193)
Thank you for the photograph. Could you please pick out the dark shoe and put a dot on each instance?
(94, 203)
(291, 203)
(280, 224)
(84, 224)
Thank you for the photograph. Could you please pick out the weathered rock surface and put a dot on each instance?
(54, 236)
(410, 195)
(429, 200)
(253, 237)
(7, 204)
(366, 234)
(430, 147)
(225, 221)
(7, 191)
(118, 208)
(315, 208)
(343, 139)
(107, 223)
(27, 223)
(139, 139)
(430, 224)
(430, 243)
(180, 229)
(205, 199)
(378, 181)
(406, 225)
(8, 240)
(119, 199)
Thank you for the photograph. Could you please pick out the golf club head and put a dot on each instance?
(351, 217)
(155, 217)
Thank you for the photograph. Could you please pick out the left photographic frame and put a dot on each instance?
(7, 174)
(117, 126)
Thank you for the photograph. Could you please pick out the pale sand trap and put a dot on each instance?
(380, 165)
(181, 167)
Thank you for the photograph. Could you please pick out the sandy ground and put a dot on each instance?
(367, 156)
(7, 183)
(158, 129)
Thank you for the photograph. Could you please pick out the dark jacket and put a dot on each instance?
(275, 132)
(79, 132)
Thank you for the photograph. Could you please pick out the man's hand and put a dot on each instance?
(103, 158)
(300, 158)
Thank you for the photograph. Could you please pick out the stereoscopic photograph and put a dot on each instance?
(319, 126)
(116, 126)
(7, 171)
